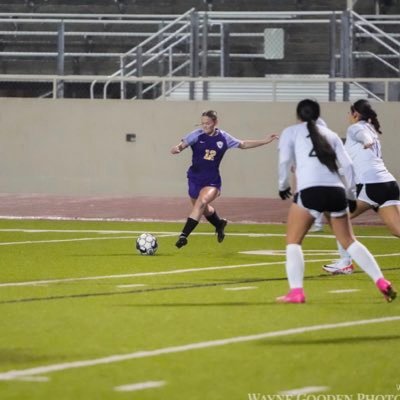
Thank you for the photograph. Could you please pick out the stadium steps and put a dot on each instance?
(255, 91)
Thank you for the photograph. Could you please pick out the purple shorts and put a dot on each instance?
(194, 188)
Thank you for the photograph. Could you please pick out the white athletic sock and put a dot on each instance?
(366, 261)
(344, 255)
(294, 265)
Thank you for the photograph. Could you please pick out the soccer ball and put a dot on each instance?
(146, 244)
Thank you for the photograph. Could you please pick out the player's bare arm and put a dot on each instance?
(178, 148)
(249, 144)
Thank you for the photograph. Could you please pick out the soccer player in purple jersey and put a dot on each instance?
(209, 145)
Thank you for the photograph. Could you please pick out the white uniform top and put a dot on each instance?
(296, 149)
(368, 163)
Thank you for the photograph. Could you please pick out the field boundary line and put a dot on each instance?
(16, 374)
(133, 387)
(66, 240)
(140, 274)
(171, 272)
(144, 274)
(168, 233)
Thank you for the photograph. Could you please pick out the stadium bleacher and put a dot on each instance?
(112, 28)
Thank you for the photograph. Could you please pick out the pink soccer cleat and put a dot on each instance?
(386, 288)
(294, 296)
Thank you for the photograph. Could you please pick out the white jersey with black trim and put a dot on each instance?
(296, 150)
(368, 162)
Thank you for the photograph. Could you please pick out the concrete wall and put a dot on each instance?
(78, 147)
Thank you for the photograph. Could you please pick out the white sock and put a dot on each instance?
(344, 255)
(294, 265)
(366, 261)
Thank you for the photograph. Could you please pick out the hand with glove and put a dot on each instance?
(285, 194)
(352, 205)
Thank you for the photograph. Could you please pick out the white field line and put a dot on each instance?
(116, 219)
(16, 374)
(282, 252)
(34, 379)
(234, 289)
(98, 231)
(166, 234)
(131, 286)
(344, 291)
(321, 253)
(66, 240)
(68, 231)
(142, 274)
(84, 239)
(304, 390)
(139, 386)
(171, 272)
(73, 240)
(136, 232)
(120, 219)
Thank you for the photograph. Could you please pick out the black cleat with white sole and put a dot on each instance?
(182, 241)
(220, 231)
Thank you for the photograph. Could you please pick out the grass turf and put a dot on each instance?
(84, 293)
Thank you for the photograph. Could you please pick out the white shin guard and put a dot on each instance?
(365, 260)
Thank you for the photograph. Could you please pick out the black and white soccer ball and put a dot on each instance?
(146, 244)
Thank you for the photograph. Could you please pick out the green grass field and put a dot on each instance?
(83, 316)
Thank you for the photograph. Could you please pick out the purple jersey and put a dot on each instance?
(208, 152)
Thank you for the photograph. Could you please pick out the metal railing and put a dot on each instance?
(369, 30)
(155, 49)
(78, 26)
(273, 84)
(211, 38)
(186, 45)
(221, 28)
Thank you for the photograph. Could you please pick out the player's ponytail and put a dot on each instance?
(367, 113)
(309, 111)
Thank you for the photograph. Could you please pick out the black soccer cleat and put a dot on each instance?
(220, 230)
(182, 241)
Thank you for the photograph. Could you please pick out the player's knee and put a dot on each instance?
(202, 203)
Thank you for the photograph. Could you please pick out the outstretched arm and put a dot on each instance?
(179, 147)
(249, 144)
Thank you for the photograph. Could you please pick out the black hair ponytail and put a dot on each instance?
(309, 111)
(367, 113)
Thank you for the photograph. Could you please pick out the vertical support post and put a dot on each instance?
(398, 71)
(139, 71)
(160, 61)
(225, 49)
(351, 4)
(386, 86)
(332, 55)
(60, 58)
(204, 54)
(163, 92)
(122, 84)
(377, 7)
(194, 52)
(346, 52)
(161, 52)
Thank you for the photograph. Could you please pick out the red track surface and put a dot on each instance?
(259, 210)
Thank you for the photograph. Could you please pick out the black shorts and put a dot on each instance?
(323, 199)
(379, 194)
